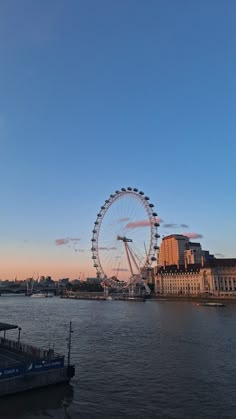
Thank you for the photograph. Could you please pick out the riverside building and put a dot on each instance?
(184, 268)
(216, 277)
(172, 250)
(177, 250)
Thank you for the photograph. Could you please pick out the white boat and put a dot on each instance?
(43, 295)
(212, 304)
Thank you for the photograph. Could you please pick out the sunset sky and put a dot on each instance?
(100, 95)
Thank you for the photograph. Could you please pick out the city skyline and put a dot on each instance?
(96, 97)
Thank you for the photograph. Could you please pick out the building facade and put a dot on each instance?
(172, 250)
(216, 277)
(193, 254)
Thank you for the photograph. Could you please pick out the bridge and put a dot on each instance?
(24, 289)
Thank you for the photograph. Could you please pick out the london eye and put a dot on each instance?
(124, 239)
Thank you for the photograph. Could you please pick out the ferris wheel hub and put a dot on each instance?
(124, 239)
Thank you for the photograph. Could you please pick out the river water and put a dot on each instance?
(153, 359)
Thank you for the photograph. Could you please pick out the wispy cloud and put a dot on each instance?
(108, 248)
(141, 223)
(135, 224)
(61, 242)
(193, 235)
(174, 225)
(122, 220)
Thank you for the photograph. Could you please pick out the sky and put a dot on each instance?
(100, 95)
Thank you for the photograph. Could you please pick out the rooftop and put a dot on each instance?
(176, 236)
(214, 263)
(6, 326)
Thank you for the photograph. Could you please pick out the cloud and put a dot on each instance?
(219, 255)
(61, 242)
(142, 223)
(173, 225)
(107, 248)
(79, 250)
(193, 235)
(135, 224)
(121, 220)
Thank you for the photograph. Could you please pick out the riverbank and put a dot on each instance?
(194, 298)
(117, 297)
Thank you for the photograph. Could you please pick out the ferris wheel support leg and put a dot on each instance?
(106, 291)
(128, 258)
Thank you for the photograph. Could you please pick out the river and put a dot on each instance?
(153, 359)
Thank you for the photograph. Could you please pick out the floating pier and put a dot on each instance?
(26, 367)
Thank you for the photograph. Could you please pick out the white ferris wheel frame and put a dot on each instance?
(151, 218)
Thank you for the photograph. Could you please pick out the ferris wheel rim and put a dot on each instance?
(153, 224)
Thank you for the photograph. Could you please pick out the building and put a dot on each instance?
(172, 280)
(192, 254)
(216, 277)
(221, 274)
(176, 250)
(206, 256)
(172, 250)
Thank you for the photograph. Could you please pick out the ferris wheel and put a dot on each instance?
(124, 240)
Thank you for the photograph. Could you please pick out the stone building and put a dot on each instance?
(216, 277)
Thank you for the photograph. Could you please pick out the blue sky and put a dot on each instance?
(99, 95)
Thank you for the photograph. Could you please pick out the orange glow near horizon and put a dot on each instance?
(58, 270)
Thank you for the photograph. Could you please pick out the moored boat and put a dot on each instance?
(42, 295)
(212, 304)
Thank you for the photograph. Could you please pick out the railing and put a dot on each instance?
(29, 350)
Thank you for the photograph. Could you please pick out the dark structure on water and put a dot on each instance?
(25, 367)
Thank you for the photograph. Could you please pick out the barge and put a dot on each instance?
(213, 304)
(25, 367)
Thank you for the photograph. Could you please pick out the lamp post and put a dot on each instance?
(18, 342)
(69, 344)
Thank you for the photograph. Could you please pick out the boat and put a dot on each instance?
(42, 295)
(212, 304)
(135, 299)
(49, 294)
(24, 367)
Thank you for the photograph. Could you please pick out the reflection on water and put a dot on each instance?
(52, 401)
(133, 360)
